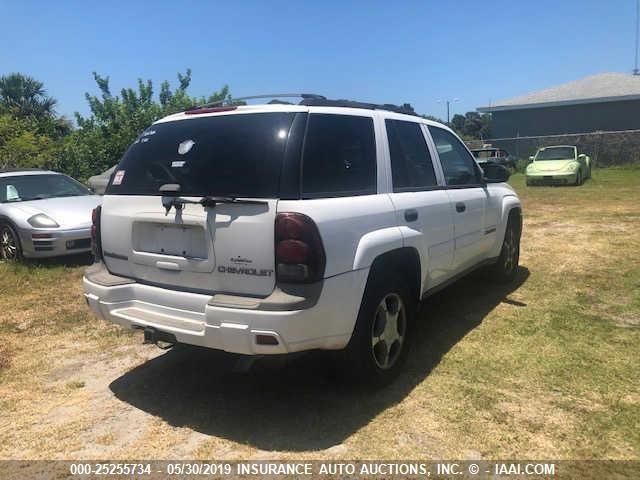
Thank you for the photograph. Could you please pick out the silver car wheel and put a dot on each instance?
(8, 244)
(388, 331)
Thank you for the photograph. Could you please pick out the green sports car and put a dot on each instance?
(558, 165)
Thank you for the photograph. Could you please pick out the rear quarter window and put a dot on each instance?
(339, 156)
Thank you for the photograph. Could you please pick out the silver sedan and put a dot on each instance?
(43, 214)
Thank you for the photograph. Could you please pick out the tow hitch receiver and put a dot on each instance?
(163, 340)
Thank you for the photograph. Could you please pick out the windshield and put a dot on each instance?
(238, 155)
(556, 153)
(22, 188)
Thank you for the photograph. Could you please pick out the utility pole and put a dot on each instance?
(635, 70)
(449, 102)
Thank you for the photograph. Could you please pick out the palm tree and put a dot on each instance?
(25, 96)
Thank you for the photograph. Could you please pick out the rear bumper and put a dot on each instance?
(54, 242)
(232, 323)
(549, 179)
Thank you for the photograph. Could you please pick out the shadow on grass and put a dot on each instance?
(69, 261)
(296, 404)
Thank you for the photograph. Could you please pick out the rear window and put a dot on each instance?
(339, 156)
(237, 155)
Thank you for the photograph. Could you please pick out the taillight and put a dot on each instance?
(96, 243)
(299, 252)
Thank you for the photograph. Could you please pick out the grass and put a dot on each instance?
(545, 368)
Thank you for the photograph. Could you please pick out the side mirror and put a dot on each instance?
(531, 158)
(582, 155)
(494, 173)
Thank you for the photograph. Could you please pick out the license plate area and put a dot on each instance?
(180, 240)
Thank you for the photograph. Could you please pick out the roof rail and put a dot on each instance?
(314, 100)
(304, 96)
(323, 102)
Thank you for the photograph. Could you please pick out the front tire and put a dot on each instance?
(10, 248)
(506, 268)
(578, 178)
(383, 332)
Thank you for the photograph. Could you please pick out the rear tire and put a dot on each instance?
(381, 339)
(506, 268)
(10, 248)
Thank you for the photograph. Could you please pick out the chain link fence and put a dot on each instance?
(605, 148)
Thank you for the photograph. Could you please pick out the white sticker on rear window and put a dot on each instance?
(117, 178)
(185, 146)
(178, 163)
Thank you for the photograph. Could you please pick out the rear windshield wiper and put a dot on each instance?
(208, 201)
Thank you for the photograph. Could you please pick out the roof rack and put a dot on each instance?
(304, 97)
(314, 100)
(323, 102)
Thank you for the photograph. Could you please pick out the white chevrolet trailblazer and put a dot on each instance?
(272, 229)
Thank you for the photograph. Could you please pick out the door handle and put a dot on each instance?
(411, 215)
(168, 266)
(460, 207)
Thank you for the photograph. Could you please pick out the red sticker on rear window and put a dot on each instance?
(117, 178)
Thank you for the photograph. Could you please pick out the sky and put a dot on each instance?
(419, 52)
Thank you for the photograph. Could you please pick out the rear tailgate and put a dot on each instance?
(227, 248)
(223, 248)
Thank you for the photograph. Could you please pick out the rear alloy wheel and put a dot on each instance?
(381, 338)
(388, 331)
(9, 244)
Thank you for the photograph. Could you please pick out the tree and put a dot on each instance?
(22, 145)
(115, 121)
(23, 96)
(457, 122)
(472, 124)
(434, 119)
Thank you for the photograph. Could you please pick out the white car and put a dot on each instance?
(271, 229)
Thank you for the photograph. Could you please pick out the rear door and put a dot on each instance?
(225, 248)
(468, 196)
(422, 205)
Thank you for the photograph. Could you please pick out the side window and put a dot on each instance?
(458, 165)
(8, 192)
(411, 165)
(339, 157)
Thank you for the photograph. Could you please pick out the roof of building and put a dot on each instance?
(604, 87)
